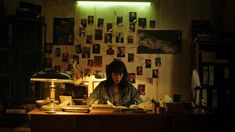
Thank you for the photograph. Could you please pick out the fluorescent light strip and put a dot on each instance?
(113, 3)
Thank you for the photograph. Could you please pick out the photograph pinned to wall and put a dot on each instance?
(98, 61)
(148, 63)
(90, 20)
(130, 39)
(96, 48)
(141, 89)
(76, 58)
(121, 51)
(131, 77)
(57, 52)
(89, 39)
(119, 37)
(158, 61)
(139, 70)
(119, 20)
(150, 80)
(109, 27)
(130, 57)
(83, 23)
(159, 41)
(86, 52)
(152, 24)
(90, 63)
(100, 23)
(110, 51)
(48, 48)
(65, 57)
(87, 72)
(132, 27)
(98, 34)
(155, 73)
(63, 31)
(108, 37)
(132, 17)
(82, 32)
(78, 49)
(48, 62)
(142, 23)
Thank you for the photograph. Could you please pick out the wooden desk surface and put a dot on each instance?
(106, 112)
(124, 122)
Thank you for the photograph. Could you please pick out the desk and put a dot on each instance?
(123, 122)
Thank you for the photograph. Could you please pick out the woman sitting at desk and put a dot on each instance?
(116, 88)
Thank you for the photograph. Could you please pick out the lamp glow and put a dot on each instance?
(112, 3)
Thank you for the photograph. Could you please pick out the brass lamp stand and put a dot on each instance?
(52, 77)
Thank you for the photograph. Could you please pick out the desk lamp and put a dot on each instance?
(52, 77)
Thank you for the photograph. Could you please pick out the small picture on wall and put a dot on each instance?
(96, 48)
(90, 20)
(119, 37)
(82, 32)
(83, 23)
(141, 89)
(132, 17)
(155, 73)
(121, 51)
(148, 63)
(87, 72)
(100, 22)
(131, 77)
(152, 24)
(158, 61)
(110, 51)
(108, 38)
(57, 52)
(86, 52)
(89, 63)
(76, 58)
(89, 39)
(48, 62)
(78, 49)
(98, 61)
(130, 39)
(109, 27)
(132, 27)
(139, 70)
(130, 57)
(142, 23)
(65, 57)
(98, 34)
(119, 20)
(48, 48)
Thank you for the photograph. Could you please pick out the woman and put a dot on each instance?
(116, 88)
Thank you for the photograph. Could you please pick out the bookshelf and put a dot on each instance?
(21, 56)
(211, 58)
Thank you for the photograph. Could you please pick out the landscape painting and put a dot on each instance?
(159, 41)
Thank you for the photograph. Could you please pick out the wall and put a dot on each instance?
(175, 71)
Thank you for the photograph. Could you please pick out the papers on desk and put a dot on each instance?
(77, 108)
(101, 108)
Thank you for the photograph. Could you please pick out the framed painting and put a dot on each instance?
(159, 41)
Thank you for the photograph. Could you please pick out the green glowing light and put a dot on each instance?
(112, 3)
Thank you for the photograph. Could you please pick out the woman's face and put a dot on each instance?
(117, 77)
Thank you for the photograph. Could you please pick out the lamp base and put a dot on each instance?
(51, 107)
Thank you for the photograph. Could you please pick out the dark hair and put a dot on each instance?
(116, 66)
